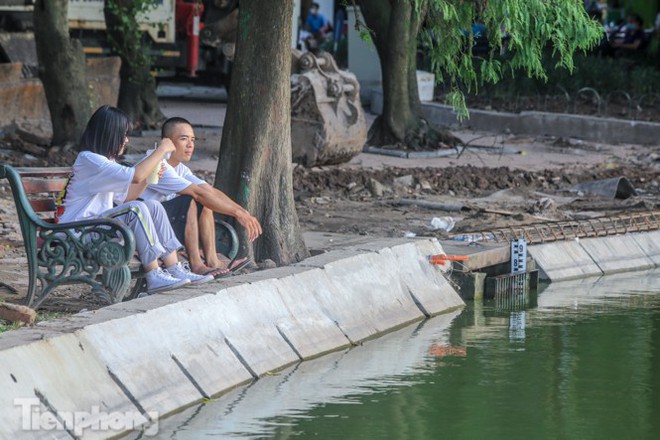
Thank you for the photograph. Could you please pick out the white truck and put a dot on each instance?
(169, 26)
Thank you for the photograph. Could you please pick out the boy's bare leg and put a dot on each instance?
(207, 237)
(191, 239)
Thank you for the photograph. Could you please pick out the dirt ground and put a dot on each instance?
(498, 181)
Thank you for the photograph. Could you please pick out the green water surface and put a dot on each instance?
(581, 362)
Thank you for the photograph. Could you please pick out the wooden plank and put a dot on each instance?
(33, 186)
(44, 171)
(134, 265)
(43, 205)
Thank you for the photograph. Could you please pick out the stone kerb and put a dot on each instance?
(617, 253)
(565, 260)
(650, 244)
(599, 129)
(246, 314)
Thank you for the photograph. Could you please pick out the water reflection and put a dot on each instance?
(583, 363)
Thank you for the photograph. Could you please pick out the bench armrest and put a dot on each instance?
(110, 240)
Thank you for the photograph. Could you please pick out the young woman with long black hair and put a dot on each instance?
(101, 187)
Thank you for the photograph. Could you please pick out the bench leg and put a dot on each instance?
(140, 286)
(30, 299)
(116, 282)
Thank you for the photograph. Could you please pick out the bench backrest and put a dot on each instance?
(42, 187)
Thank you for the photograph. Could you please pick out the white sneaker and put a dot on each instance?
(159, 280)
(182, 272)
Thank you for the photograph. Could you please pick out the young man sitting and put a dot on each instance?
(193, 223)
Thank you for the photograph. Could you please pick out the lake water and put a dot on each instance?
(582, 362)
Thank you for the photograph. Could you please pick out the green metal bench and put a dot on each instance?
(99, 252)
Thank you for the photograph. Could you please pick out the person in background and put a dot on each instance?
(597, 9)
(318, 28)
(98, 181)
(631, 36)
(194, 223)
(316, 23)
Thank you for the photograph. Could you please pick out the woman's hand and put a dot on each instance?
(146, 166)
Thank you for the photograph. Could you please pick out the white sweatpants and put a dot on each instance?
(154, 237)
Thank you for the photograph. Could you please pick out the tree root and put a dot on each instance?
(420, 136)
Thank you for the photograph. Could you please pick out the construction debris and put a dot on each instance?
(328, 125)
(16, 313)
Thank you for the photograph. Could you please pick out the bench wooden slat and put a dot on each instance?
(43, 205)
(44, 172)
(135, 266)
(33, 186)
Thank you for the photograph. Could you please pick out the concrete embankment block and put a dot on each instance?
(373, 296)
(58, 374)
(137, 351)
(425, 282)
(170, 355)
(350, 312)
(307, 325)
(564, 260)
(650, 244)
(294, 313)
(246, 315)
(617, 253)
(197, 346)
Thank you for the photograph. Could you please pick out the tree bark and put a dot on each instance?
(62, 71)
(255, 166)
(137, 92)
(395, 25)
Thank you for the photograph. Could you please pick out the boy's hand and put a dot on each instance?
(161, 171)
(250, 223)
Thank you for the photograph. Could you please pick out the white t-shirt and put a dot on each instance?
(174, 180)
(96, 181)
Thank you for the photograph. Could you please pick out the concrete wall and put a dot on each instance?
(140, 360)
(24, 100)
(363, 59)
(553, 124)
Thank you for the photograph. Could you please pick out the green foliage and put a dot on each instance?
(606, 75)
(520, 29)
(47, 316)
(6, 325)
(130, 47)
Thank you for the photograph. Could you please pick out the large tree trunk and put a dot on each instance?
(137, 92)
(62, 71)
(395, 25)
(255, 166)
